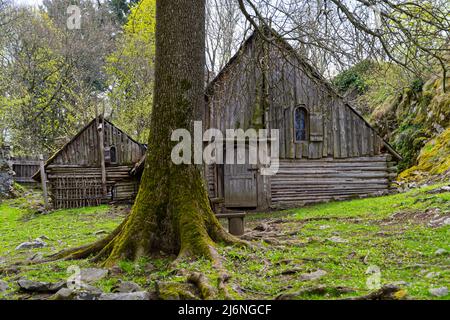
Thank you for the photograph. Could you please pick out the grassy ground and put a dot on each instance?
(397, 235)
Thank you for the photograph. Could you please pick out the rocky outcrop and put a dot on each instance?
(6, 173)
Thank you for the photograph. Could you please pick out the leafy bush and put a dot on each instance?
(354, 77)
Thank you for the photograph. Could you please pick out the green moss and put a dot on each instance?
(433, 159)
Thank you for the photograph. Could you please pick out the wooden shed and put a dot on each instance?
(327, 150)
(94, 167)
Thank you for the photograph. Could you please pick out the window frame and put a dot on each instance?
(115, 155)
(306, 112)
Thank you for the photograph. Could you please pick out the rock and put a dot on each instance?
(319, 290)
(36, 257)
(440, 251)
(63, 294)
(140, 295)
(92, 274)
(351, 255)
(99, 232)
(126, 287)
(439, 190)
(336, 239)
(430, 275)
(43, 237)
(291, 271)
(325, 226)
(37, 286)
(38, 243)
(115, 270)
(2, 260)
(261, 227)
(386, 292)
(313, 275)
(401, 283)
(439, 292)
(86, 292)
(3, 286)
(149, 268)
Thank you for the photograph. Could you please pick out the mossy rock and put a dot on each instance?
(434, 159)
(176, 291)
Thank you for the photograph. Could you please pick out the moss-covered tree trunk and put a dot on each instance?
(171, 212)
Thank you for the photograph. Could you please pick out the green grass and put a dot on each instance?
(63, 227)
(403, 250)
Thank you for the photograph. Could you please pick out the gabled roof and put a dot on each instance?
(311, 71)
(37, 176)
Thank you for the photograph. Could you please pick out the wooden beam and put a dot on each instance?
(43, 181)
(100, 130)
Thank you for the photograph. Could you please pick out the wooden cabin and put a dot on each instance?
(74, 173)
(327, 150)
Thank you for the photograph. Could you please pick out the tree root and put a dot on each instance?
(200, 281)
(387, 292)
(97, 249)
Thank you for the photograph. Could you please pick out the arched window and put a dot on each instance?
(113, 154)
(300, 124)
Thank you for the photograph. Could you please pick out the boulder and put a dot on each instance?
(86, 292)
(38, 243)
(6, 173)
(439, 292)
(126, 287)
(41, 287)
(313, 275)
(3, 286)
(93, 274)
(337, 239)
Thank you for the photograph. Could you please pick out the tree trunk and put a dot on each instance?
(172, 212)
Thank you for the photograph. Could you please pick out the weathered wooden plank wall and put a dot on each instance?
(308, 181)
(75, 186)
(24, 169)
(84, 150)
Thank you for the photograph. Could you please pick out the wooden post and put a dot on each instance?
(43, 181)
(101, 129)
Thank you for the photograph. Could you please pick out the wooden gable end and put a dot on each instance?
(264, 84)
(83, 150)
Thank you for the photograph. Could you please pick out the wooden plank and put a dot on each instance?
(335, 126)
(288, 124)
(342, 131)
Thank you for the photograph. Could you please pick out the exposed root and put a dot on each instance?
(320, 290)
(97, 249)
(200, 281)
(221, 284)
(387, 292)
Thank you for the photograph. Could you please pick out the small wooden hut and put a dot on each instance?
(94, 167)
(328, 151)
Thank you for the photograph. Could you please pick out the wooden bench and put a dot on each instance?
(235, 222)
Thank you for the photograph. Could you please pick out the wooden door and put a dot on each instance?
(240, 185)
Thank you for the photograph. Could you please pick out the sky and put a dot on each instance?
(29, 2)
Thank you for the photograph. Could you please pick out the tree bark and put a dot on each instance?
(172, 211)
